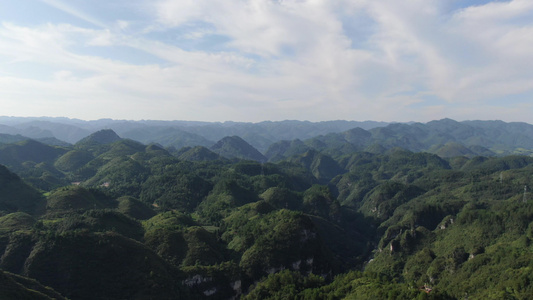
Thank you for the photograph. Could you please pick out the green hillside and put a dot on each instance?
(282, 149)
(23, 288)
(104, 136)
(197, 153)
(9, 138)
(167, 137)
(15, 195)
(134, 208)
(77, 198)
(361, 214)
(102, 265)
(236, 147)
(73, 160)
(28, 150)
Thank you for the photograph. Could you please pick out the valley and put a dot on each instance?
(274, 210)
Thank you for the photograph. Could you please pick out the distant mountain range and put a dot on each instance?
(177, 134)
(447, 138)
(128, 212)
(274, 141)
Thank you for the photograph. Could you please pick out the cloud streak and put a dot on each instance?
(252, 60)
(74, 12)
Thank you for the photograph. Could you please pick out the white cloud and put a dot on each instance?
(122, 24)
(292, 59)
(259, 27)
(502, 59)
(458, 59)
(496, 12)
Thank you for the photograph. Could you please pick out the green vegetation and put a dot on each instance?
(134, 208)
(23, 288)
(15, 195)
(74, 198)
(110, 218)
(236, 147)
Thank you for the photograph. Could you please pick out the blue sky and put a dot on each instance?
(255, 60)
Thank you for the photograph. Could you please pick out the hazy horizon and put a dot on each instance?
(251, 122)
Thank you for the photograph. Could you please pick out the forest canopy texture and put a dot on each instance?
(441, 210)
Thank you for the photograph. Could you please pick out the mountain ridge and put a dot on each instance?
(344, 215)
(500, 137)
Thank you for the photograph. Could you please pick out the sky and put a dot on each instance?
(257, 60)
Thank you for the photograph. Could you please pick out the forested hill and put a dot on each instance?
(112, 218)
(446, 137)
(177, 134)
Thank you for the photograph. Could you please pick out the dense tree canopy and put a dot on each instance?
(118, 219)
